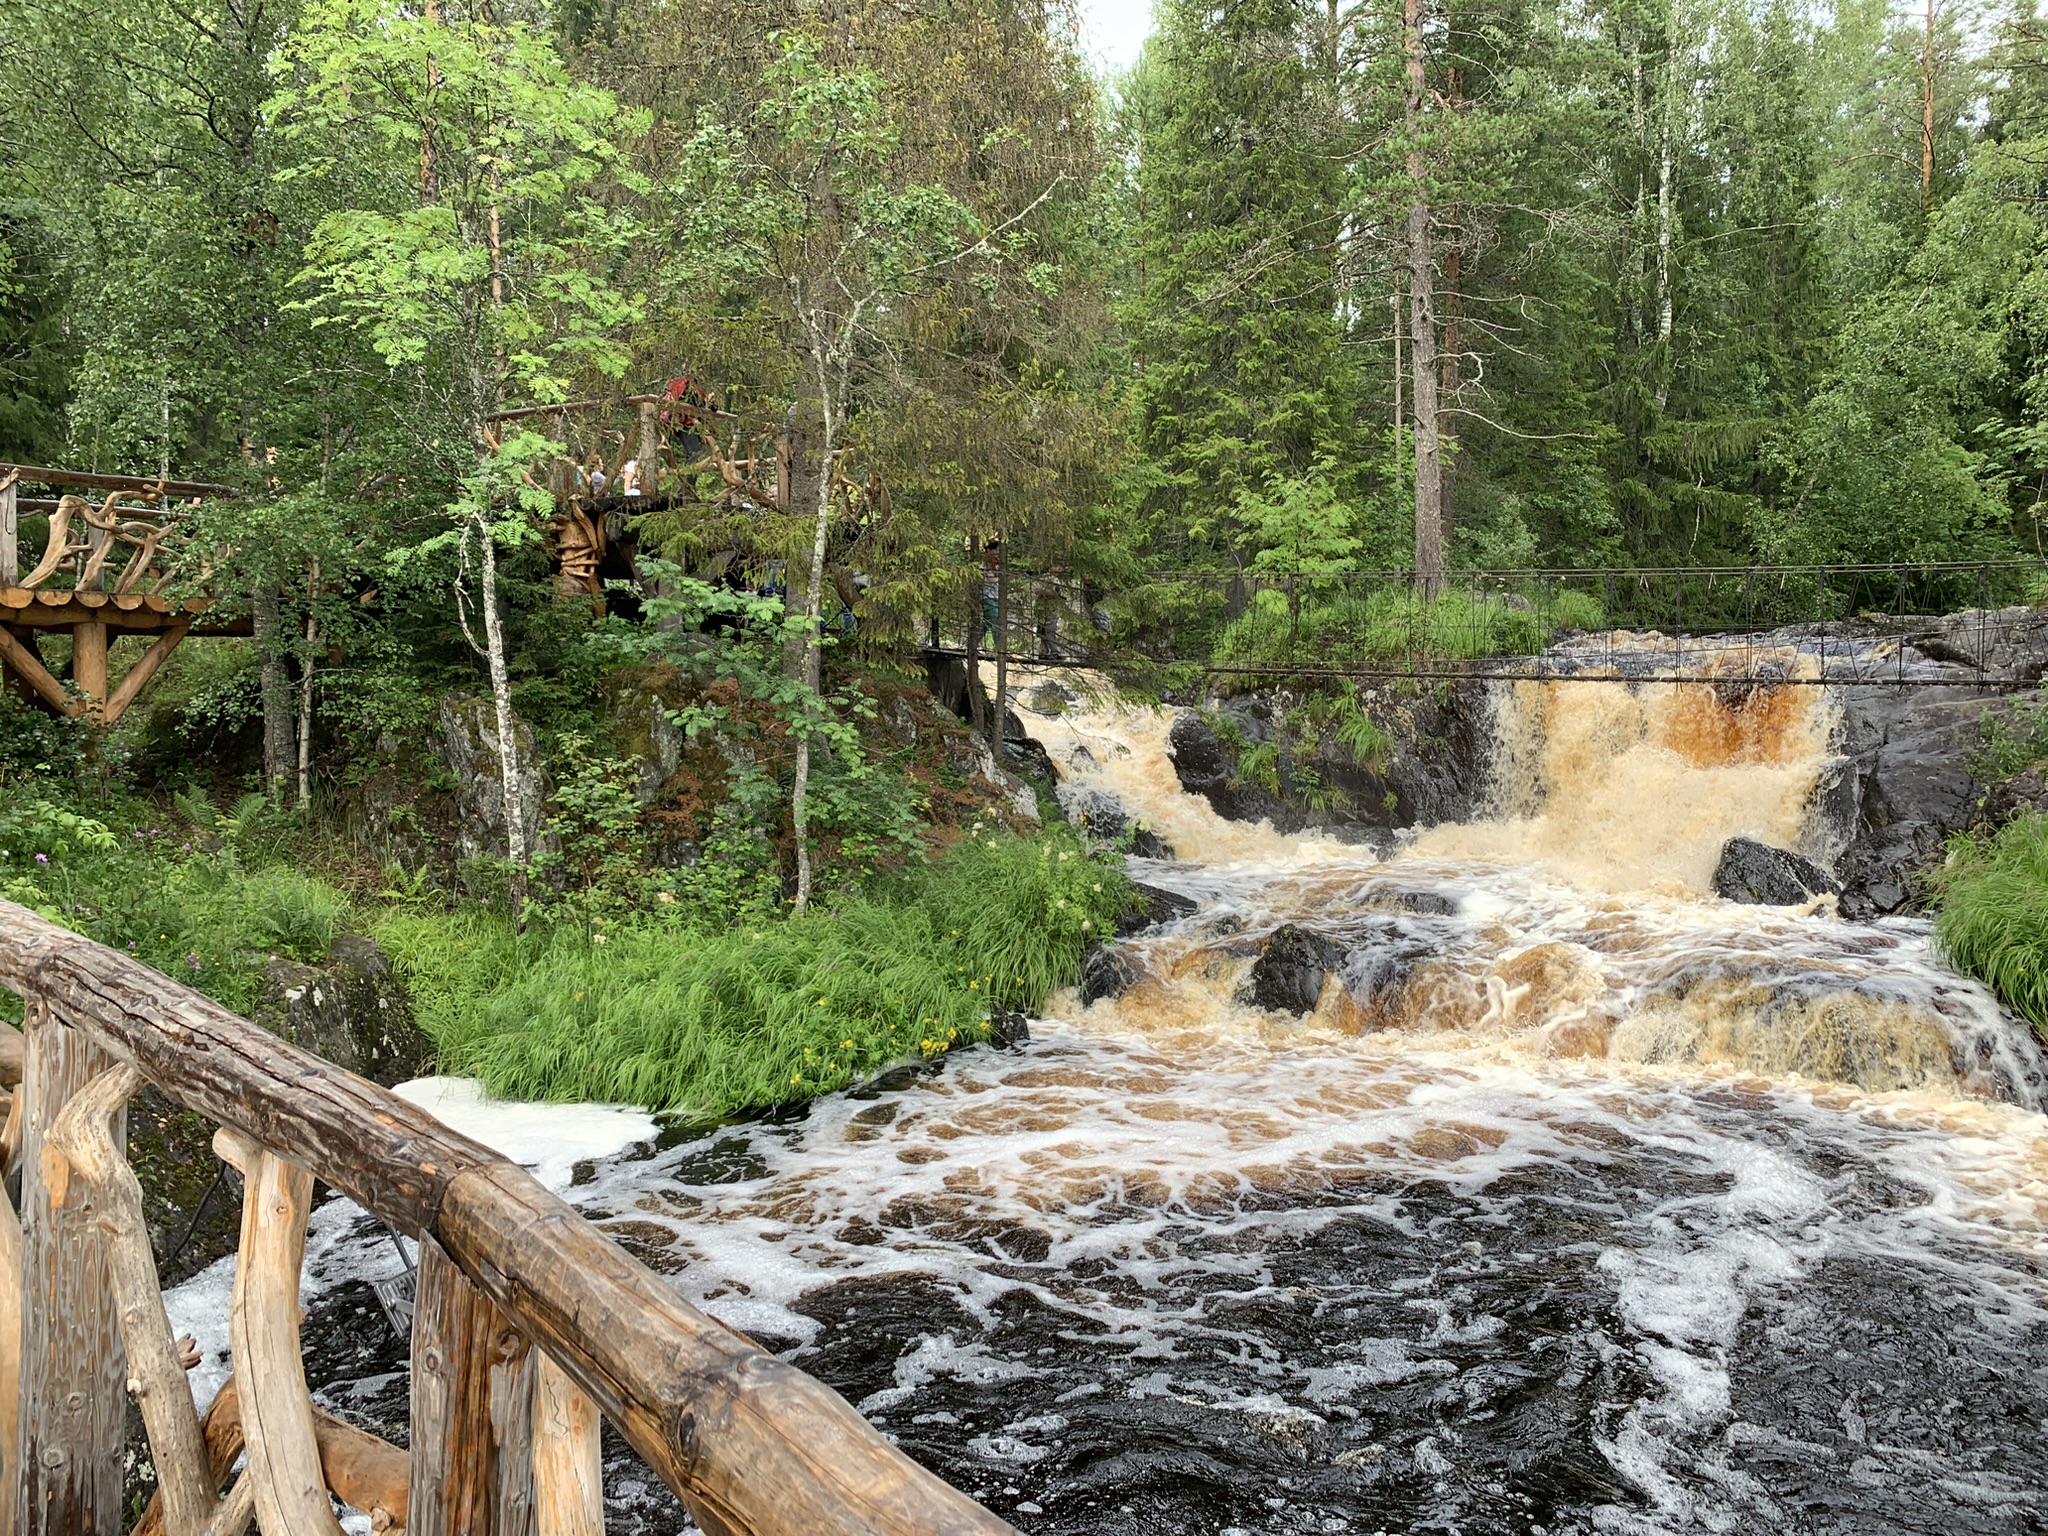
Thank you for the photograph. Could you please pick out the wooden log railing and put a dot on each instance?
(529, 1324)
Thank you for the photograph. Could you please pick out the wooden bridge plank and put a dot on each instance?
(73, 1370)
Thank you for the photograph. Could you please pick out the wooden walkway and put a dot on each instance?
(530, 1327)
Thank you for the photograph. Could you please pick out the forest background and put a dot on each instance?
(1438, 285)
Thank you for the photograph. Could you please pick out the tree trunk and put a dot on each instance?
(811, 671)
(1451, 357)
(1927, 114)
(516, 851)
(1002, 647)
(306, 689)
(1429, 482)
(279, 748)
(1665, 136)
(977, 717)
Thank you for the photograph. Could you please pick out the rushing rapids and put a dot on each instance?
(1580, 1201)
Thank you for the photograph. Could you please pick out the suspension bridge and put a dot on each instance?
(1964, 623)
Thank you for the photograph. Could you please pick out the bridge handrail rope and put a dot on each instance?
(528, 1323)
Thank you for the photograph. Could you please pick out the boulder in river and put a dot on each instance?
(353, 1011)
(1288, 977)
(1106, 972)
(1107, 822)
(1150, 906)
(1761, 875)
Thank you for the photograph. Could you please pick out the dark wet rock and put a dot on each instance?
(1429, 903)
(192, 1211)
(1106, 972)
(351, 1010)
(1756, 872)
(1027, 755)
(1432, 771)
(1009, 1029)
(1885, 870)
(1913, 751)
(2025, 793)
(1834, 811)
(1150, 906)
(1200, 758)
(1109, 824)
(1288, 977)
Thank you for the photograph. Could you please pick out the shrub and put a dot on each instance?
(286, 912)
(1993, 922)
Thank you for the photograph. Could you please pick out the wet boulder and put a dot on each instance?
(1106, 972)
(1009, 1030)
(1150, 906)
(351, 1010)
(1761, 875)
(1107, 822)
(1288, 976)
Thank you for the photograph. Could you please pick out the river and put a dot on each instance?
(1583, 1201)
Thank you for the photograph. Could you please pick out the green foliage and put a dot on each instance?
(189, 904)
(1335, 627)
(1993, 920)
(706, 1023)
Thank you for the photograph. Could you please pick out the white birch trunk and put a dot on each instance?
(516, 850)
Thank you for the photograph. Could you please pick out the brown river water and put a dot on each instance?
(1584, 1201)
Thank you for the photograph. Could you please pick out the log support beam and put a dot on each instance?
(472, 1410)
(263, 1331)
(73, 1368)
(89, 663)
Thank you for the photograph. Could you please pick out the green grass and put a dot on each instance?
(706, 1024)
(1993, 922)
(1394, 622)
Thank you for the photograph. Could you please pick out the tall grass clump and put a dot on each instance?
(705, 1024)
(1993, 921)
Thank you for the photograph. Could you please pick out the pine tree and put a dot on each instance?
(1242, 376)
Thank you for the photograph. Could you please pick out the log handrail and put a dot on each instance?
(752, 1445)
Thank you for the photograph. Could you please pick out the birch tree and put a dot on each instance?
(802, 202)
(476, 266)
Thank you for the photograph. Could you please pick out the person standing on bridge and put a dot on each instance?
(991, 587)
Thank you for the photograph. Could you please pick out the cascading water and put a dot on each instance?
(1581, 1200)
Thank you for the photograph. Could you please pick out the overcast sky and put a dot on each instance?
(1112, 31)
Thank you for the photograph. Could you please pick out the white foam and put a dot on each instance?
(548, 1140)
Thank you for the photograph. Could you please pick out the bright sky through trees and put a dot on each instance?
(1113, 31)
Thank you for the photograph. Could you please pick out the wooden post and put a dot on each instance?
(89, 662)
(1002, 640)
(67, 1464)
(472, 1410)
(650, 446)
(80, 1153)
(10, 534)
(568, 1486)
(153, 658)
(263, 1331)
(10, 1342)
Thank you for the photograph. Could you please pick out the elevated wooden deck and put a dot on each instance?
(101, 573)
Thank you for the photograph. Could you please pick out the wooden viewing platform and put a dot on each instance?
(101, 574)
(529, 1324)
